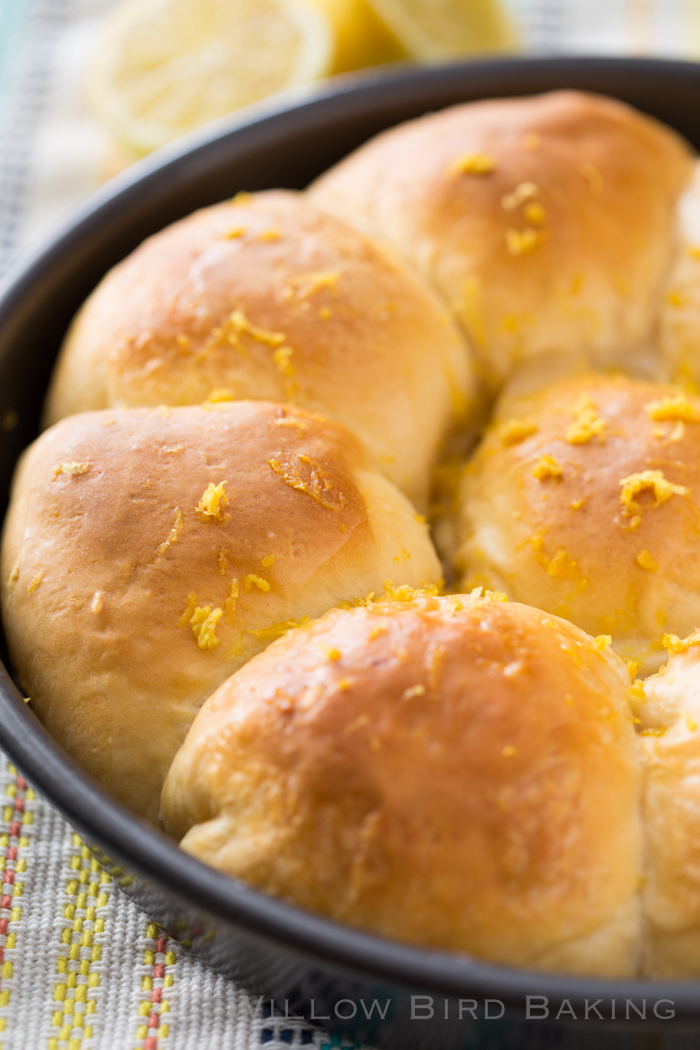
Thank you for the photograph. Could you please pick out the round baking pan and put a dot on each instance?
(360, 987)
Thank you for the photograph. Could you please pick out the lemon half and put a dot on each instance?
(163, 67)
(362, 38)
(431, 30)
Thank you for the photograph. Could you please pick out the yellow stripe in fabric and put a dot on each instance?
(17, 816)
(84, 914)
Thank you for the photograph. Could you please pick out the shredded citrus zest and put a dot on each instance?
(35, 583)
(219, 394)
(73, 468)
(404, 593)
(646, 561)
(281, 360)
(546, 467)
(213, 498)
(535, 213)
(515, 430)
(586, 425)
(251, 580)
(637, 690)
(203, 622)
(240, 324)
(277, 630)
(675, 645)
(647, 480)
(305, 285)
(187, 614)
(524, 191)
(174, 532)
(473, 164)
(523, 242)
(232, 600)
(673, 407)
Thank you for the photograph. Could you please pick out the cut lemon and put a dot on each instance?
(431, 30)
(362, 37)
(163, 67)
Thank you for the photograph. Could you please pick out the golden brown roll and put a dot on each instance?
(458, 773)
(149, 553)
(266, 297)
(669, 722)
(582, 500)
(547, 223)
(680, 306)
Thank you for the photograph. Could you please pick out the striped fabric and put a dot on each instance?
(80, 967)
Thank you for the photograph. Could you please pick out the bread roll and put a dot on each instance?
(266, 297)
(680, 305)
(581, 500)
(148, 553)
(547, 223)
(669, 720)
(458, 773)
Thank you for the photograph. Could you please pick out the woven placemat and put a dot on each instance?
(80, 967)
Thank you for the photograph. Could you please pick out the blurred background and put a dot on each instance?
(89, 86)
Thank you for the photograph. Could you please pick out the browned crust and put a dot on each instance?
(463, 773)
(106, 540)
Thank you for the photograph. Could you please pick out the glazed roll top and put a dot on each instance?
(548, 223)
(149, 553)
(461, 771)
(669, 720)
(680, 306)
(266, 296)
(582, 500)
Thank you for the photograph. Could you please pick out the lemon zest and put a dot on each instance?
(516, 430)
(645, 561)
(251, 580)
(281, 360)
(213, 498)
(675, 645)
(546, 467)
(304, 285)
(586, 425)
(645, 480)
(231, 601)
(524, 191)
(673, 407)
(174, 532)
(35, 583)
(73, 468)
(473, 164)
(523, 242)
(203, 622)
